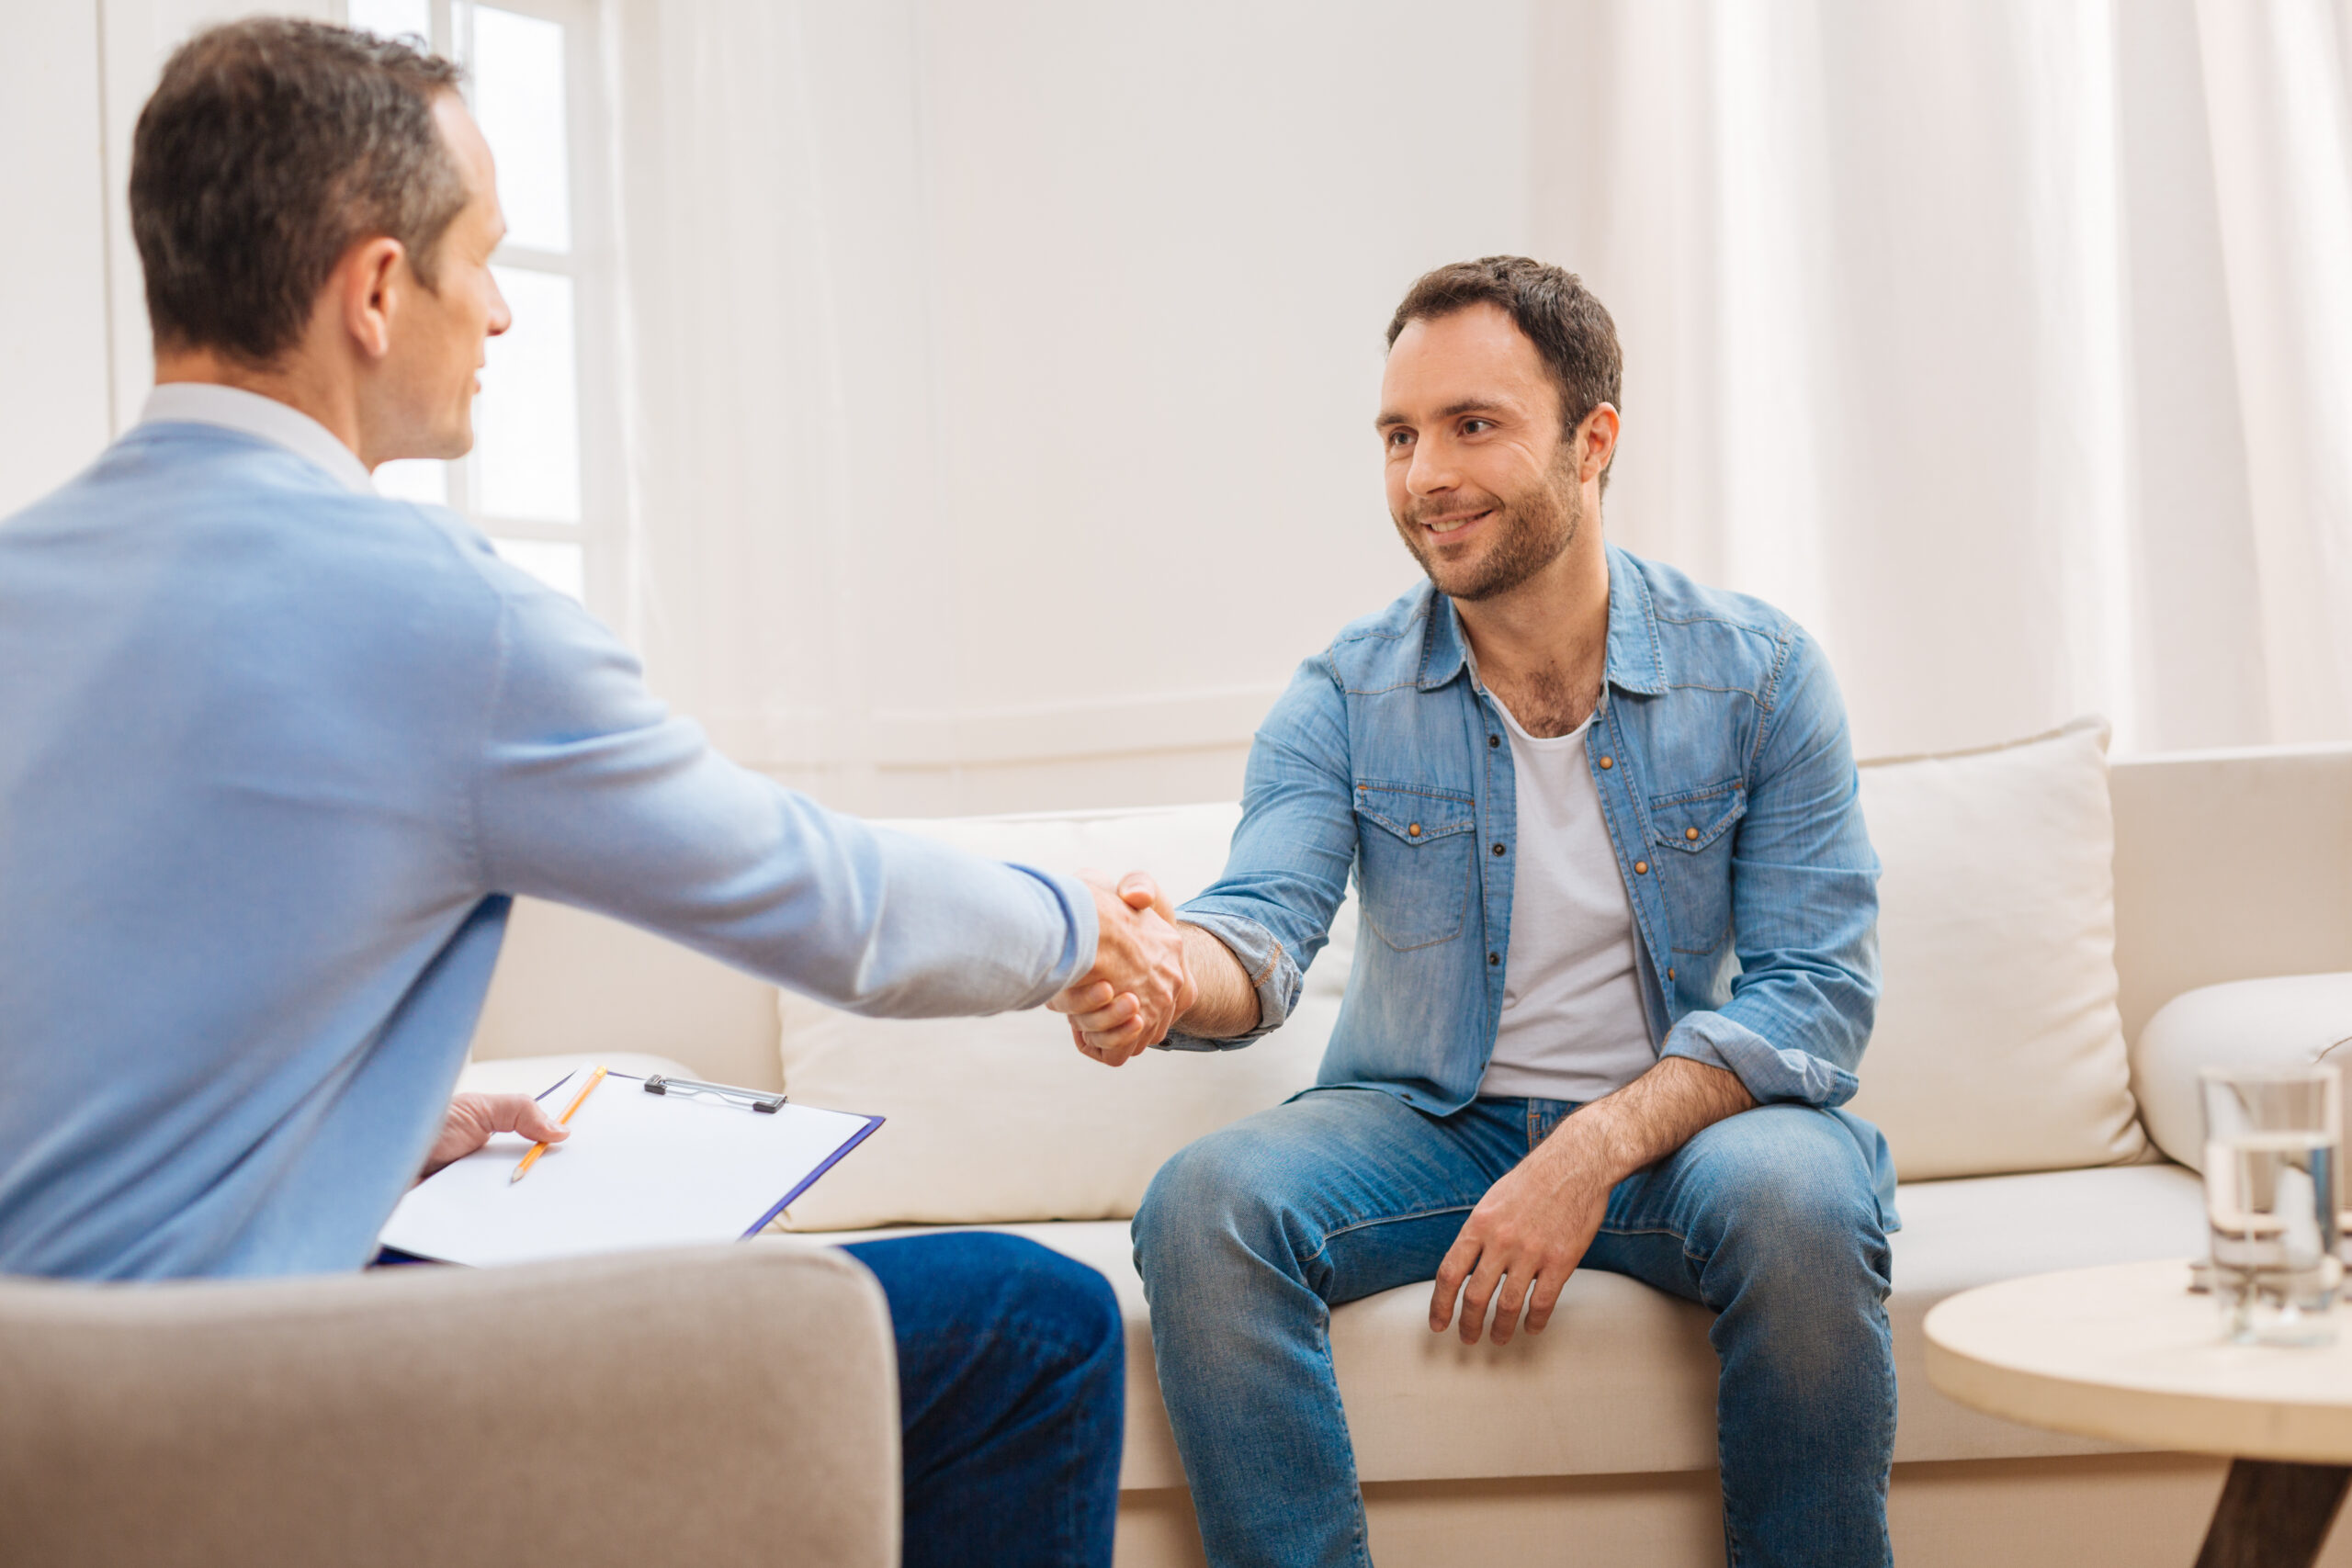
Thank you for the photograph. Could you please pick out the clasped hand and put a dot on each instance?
(1139, 985)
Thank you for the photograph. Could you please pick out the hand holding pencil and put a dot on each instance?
(474, 1119)
(563, 1125)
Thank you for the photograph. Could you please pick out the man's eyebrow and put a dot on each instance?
(1387, 417)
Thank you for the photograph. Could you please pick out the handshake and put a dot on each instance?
(1140, 985)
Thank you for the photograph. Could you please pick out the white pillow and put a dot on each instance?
(2289, 1022)
(1999, 1046)
(996, 1120)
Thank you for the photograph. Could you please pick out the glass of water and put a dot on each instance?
(2273, 1140)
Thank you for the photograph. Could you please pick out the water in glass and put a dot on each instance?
(2273, 1143)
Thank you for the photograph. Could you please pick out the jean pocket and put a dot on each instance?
(1691, 837)
(1413, 862)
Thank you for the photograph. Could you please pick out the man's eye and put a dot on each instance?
(1476, 426)
(1400, 438)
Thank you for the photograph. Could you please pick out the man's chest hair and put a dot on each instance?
(1546, 702)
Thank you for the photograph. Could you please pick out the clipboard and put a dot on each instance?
(651, 1162)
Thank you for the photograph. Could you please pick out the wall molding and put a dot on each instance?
(788, 738)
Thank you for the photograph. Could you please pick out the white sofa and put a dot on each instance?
(1999, 1071)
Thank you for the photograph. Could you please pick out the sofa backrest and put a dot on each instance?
(2228, 865)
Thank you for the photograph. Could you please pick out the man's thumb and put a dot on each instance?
(535, 1123)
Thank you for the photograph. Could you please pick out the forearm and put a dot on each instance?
(1226, 1006)
(1650, 1118)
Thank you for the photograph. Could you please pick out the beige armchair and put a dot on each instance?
(711, 1406)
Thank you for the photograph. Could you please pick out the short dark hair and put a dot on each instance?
(1570, 329)
(270, 147)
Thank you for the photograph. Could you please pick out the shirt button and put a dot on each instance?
(1414, 831)
(1641, 868)
(1494, 958)
(1690, 832)
(1669, 971)
(1498, 849)
(1609, 761)
(1494, 740)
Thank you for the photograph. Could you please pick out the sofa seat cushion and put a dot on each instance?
(1624, 1381)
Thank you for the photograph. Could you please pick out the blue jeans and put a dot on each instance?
(1011, 1387)
(1250, 1237)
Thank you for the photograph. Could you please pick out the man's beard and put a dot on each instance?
(1532, 530)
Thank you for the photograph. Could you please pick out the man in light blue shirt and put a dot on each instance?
(280, 752)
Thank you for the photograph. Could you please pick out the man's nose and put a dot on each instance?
(1430, 470)
(501, 318)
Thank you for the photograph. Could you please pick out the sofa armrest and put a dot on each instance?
(2290, 1022)
(710, 1405)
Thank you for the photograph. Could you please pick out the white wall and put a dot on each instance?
(75, 354)
(54, 395)
(999, 376)
(1010, 370)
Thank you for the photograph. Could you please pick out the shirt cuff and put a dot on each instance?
(1081, 930)
(1775, 1077)
(1273, 975)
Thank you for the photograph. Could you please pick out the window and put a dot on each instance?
(542, 479)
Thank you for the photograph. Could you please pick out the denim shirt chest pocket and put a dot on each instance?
(1691, 837)
(1414, 863)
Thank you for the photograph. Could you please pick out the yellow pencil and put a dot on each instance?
(537, 1149)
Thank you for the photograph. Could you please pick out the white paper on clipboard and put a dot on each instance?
(638, 1170)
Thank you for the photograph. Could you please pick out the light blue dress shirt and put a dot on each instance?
(277, 756)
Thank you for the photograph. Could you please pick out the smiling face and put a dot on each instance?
(437, 346)
(1484, 490)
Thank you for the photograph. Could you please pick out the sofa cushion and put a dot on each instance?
(1624, 1381)
(2290, 1022)
(995, 1119)
(1999, 1046)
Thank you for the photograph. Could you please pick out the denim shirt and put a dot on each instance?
(1727, 781)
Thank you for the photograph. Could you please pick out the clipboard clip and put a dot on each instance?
(758, 1099)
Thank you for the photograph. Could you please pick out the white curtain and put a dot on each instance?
(2004, 344)
(2007, 344)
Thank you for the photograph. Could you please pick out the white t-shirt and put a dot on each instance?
(1573, 1025)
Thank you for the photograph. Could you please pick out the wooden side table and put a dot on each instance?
(2125, 1352)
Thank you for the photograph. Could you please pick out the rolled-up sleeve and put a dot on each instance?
(1287, 872)
(590, 792)
(1804, 903)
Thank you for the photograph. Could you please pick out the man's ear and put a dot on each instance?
(368, 285)
(1596, 441)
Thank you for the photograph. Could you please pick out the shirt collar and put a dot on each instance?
(1636, 663)
(250, 414)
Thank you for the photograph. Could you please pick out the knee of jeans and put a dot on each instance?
(1051, 1293)
(1209, 1192)
(1813, 1242)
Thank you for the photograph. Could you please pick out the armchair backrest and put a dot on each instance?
(696, 1406)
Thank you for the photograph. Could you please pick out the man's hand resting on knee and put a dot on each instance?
(1530, 1230)
(474, 1117)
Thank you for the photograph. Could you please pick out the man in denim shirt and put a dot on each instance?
(1692, 980)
